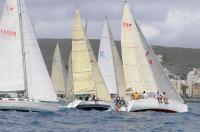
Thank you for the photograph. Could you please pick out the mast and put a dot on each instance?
(22, 45)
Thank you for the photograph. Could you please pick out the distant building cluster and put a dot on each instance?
(187, 88)
(193, 82)
(160, 58)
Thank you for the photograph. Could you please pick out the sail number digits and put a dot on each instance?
(8, 33)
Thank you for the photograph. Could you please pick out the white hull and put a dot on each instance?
(28, 106)
(152, 104)
(90, 105)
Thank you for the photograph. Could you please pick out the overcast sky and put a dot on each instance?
(164, 22)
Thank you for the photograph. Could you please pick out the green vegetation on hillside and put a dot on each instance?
(178, 60)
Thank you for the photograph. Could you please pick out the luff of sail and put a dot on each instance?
(11, 71)
(154, 78)
(59, 73)
(87, 78)
(39, 85)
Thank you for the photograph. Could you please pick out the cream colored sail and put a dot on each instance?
(138, 75)
(69, 90)
(119, 71)
(87, 78)
(59, 73)
(151, 68)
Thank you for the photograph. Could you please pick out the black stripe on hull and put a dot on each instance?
(156, 110)
(93, 107)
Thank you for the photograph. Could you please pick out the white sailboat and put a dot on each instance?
(142, 70)
(59, 74)
(24, 81)
(110, 64)
(89, 88)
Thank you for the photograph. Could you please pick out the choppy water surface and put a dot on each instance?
(94, 121)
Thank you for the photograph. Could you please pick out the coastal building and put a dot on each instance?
(160, 58)
(177, 83)
(193, 82)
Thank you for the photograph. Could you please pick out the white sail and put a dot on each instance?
(87, 78)
(143, 71)
(38, 80)
(106, 62)
(161, 79)
(11, 71)
(59, 73)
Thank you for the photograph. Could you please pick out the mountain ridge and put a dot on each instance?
(176, 59)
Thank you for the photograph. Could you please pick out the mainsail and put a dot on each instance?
(11, 71)
(59, 73)
(110, 63)
(21, 59)
(86, 75)
(142, 70)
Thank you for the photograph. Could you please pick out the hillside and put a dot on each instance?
(178, 60)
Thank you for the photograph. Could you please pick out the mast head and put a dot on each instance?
(126, 1)
(77, 9)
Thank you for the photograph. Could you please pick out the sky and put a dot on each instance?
(172, 23)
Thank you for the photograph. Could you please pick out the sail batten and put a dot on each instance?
(85, 70)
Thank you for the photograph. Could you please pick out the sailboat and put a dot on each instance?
(25, 84)
(89, 88)
(59, 73)
(110, 64)
(143, 72)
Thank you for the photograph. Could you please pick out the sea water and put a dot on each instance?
(95, 121)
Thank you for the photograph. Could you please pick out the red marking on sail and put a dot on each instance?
(10, 8)
(127, 25)
(5, 32)
(150, 62)
(147, 53)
